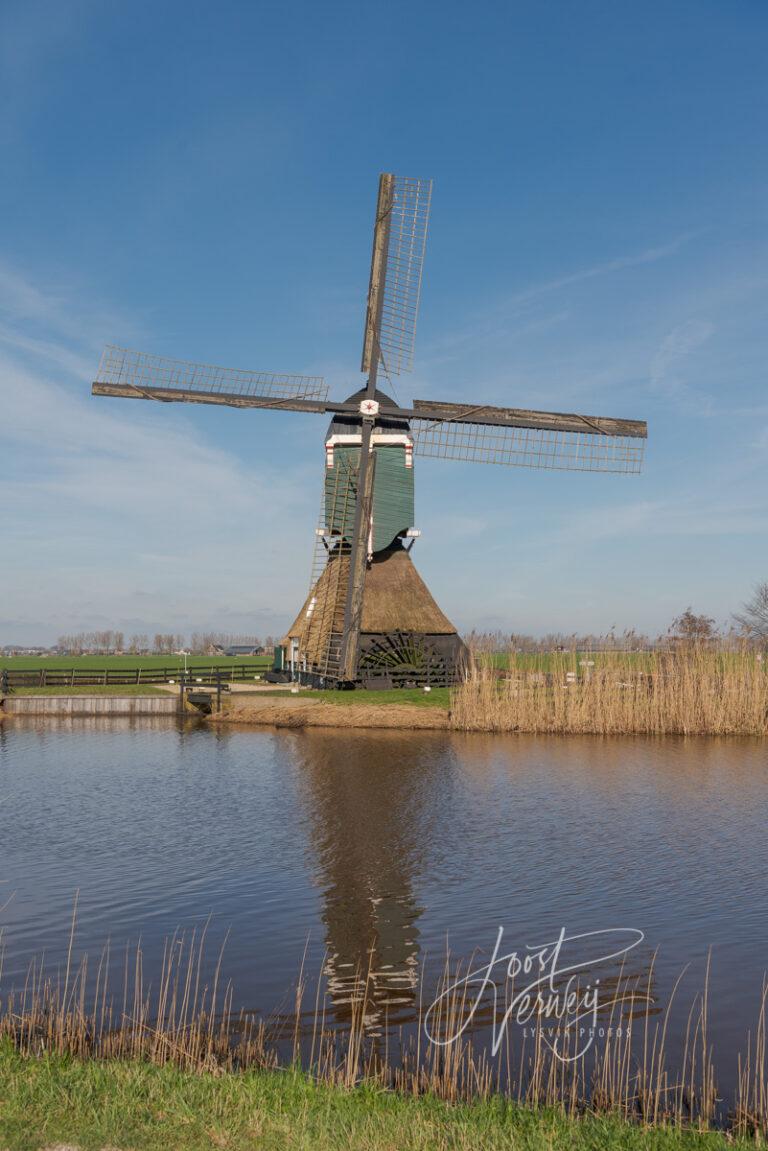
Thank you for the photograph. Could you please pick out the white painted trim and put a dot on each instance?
(376, 438)
(383, 438)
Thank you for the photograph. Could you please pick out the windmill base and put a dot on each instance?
(405, 640)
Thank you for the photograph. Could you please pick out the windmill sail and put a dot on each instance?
(125, 372)
(520, 437)
(400, 238)
(528, 447)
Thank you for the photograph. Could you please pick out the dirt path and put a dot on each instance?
(316, 713)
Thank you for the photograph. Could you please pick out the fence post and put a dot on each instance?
(218, 691)
(181, 693)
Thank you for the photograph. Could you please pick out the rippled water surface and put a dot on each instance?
(377, 846)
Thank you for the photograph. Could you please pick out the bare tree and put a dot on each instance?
(692, 628)
(753, 617)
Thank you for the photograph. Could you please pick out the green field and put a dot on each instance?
(98, 689)
(53, 1101)
(115, 662)
(547, 660)
(437, 697)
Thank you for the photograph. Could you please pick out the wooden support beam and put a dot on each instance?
(353, 608)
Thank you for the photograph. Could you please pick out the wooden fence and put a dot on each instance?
(11, 678)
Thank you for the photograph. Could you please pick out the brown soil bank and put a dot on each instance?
(316, 713)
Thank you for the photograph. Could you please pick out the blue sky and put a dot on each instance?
(198, 180)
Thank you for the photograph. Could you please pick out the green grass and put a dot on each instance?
(437, 697)
(115, 662)
(126, 689)
(546, 661)
(146, 1108)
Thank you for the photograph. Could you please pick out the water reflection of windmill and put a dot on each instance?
(368, 807)
(369, 617)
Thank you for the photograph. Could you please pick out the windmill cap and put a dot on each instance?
(344, 422)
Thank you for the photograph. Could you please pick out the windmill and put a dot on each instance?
(369, 618)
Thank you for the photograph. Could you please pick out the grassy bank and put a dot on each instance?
(97, 1104)
(84, 1058)
(437, 697)
(686, 691)
(690, 691)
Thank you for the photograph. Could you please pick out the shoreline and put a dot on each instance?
(485, 706)
(693, 690)
(308, 712)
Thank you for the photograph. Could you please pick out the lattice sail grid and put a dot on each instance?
(528, 447)
(406, 243)
(122, 367)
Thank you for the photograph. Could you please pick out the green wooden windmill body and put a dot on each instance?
(393, 503)
(393, 492)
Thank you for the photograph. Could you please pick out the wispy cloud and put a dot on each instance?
(605, 268)
(514, 315)
(103, 497)
(667, 376)
(55, 323)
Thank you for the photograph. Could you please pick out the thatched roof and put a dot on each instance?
(396, 599)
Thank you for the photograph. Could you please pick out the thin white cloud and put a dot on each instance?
(101, 499)
(667, 365)
(54, 322)
(605, 268)
(495, 321)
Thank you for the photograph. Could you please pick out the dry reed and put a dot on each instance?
(694, 690)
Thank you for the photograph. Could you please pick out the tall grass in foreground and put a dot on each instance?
(691, 690)
(184, 1021)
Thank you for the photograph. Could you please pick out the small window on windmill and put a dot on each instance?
(311, 606)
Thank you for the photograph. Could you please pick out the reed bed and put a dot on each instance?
(185, 1021)
(691, 690)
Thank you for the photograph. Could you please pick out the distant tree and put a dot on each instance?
(753, 618)
(692, 628)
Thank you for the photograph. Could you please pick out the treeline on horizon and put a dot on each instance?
(162, 643)
(749, 625)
